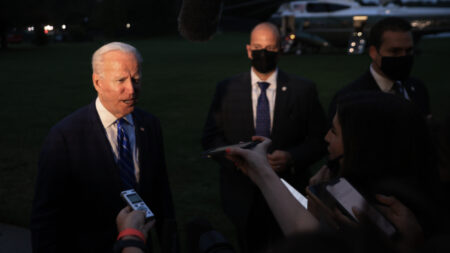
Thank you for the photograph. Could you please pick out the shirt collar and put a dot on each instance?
(272, 79)
(106, 117)
(384, 83)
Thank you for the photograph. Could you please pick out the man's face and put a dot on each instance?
(118, 84)
(262, 38)
(393, 44)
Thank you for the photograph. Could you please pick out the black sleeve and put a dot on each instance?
(47, 217)
(213, 133)
(313, 148)
(167, 226)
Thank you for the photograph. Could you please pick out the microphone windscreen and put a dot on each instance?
(198, 19)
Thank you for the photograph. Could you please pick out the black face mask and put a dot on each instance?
(264, 61)
(397, 68)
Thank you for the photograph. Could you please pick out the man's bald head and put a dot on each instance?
(265, 30)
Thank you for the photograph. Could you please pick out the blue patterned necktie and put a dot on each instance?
(125, 159)
(399, 90)
(263, 112)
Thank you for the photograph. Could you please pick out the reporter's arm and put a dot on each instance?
(290, 215)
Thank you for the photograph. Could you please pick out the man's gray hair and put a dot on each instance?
(97, 57)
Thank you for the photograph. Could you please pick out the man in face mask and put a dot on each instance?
(264, 101)
(391, 50)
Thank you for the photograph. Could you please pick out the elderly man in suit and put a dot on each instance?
(391, 48)
(92, 155)
(268, 102)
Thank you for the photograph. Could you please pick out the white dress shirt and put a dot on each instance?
(109, 123)
(385, 84)
(271, 93)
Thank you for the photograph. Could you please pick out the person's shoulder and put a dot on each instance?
(363, 78)
(416, 81)
(76, 118)
(71, 125)
(363, 82)
(296, 82)
(295, 78)
(145, 117)
(235, 79)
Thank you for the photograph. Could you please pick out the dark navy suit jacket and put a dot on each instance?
(299, 126)
(78, 186)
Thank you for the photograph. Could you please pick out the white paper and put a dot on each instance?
(297, 195)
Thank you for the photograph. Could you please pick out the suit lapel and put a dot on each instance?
(105, 150)
(281, 101)
(141, 145)
(245, 100)
(371, 84)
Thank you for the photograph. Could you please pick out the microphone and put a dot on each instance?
(198, 19)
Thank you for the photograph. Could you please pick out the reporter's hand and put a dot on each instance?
(322, 175)
(345, 221)
(252, 162)
(279, 160)
(133, 219)
(404, 220)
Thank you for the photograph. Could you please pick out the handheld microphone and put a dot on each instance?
(198, 19)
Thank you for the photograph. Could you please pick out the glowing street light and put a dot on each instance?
(48, 28)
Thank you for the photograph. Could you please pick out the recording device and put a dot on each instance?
(340, 193)
(198, 19)
(221, 150)
(136, 203)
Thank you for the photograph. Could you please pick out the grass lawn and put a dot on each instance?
(40, 85)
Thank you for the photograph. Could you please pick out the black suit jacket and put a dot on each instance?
(78, 186)
(298, 127)
(417, 92)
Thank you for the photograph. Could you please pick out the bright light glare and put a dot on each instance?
(64, 27)
(353, 44)
(48, 28)
(292, 36)
(128, 25)
(351, 50)
(30, 28)
(359, 18)
(359, 34)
